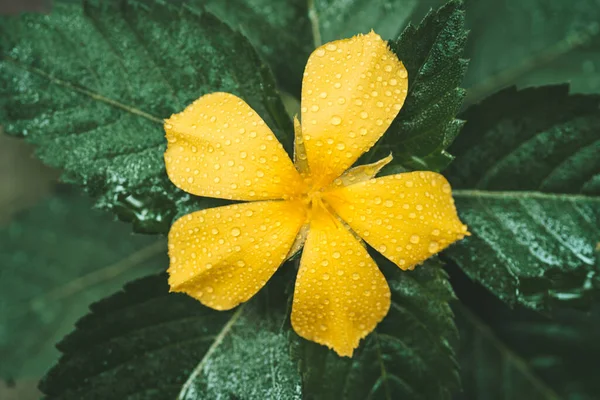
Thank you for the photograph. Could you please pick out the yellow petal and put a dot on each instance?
(219, 147)
(340, 294)
(300, 160)
(299, 241)
(406, 217)
(351, 91)
(222, 256)
(362, 172)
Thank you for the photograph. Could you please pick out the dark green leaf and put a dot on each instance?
(339, 19)
(279, 30)
(532, 42)
(90, 87)
(147, 343)
(410, 355)
(527, 174)
(426, 125)
(56, 259)
(521, 354)
(490, 369)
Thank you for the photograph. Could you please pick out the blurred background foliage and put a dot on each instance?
(57, 255)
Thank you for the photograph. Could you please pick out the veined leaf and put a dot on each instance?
(510, 353)
(532, 42)
(409, 356)
(526, 181)
(147, 343)
(90, 87)
(492, 370)
(279, 30)
(55, 259)
(339, 19)
(426, 125)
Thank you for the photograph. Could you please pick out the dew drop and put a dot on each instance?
(336, 120)
(414, 239)
(433, 247)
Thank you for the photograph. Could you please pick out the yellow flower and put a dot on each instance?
(219, 147)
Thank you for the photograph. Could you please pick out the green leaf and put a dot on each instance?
(90, 86)
(532, 42)
(492, 370)
(410, 355)
(55, 259)
(279, 30)
(518, 353)
(339, 19)
(147, 343)
(426, 124)
(526, 181)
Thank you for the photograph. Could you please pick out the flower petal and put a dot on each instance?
(300, 160)
(299, 241)
(219, 147)
(340, 294)
(351, 91)
(222, 256)
(361, 173)
(406, 217)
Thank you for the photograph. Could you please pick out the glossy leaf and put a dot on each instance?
(55, 259)
(426, 125)
(339, 19)
(410, 355)
(526, 183)
(147, 343)
(279, 30)
(91, 85)
(532, 42)
(519, 353)
(492, 370)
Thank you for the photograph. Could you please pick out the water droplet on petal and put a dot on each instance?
(433, 247)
